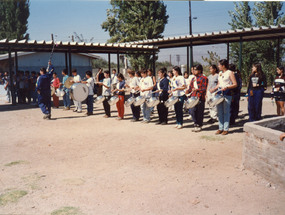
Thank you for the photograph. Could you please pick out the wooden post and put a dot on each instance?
(70, 64)
(240, 54)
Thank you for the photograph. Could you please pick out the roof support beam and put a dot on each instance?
(228, 52)
(70, 63)
(109, 62)
(66, 61)
(153, 63)
(278, 52)
(118, 63)
(188, 63)
(240, 54)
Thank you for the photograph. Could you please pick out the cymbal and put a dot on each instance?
(67, 83)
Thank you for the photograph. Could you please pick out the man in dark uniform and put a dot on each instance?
(44, 92)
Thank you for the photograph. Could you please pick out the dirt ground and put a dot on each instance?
(91, 165)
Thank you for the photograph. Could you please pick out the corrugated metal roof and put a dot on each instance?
(247, 34)
(74, 47)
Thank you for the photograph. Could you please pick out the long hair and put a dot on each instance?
(259, 69)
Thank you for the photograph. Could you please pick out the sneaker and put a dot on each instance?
(119, 118)
(179, 126)
(133, 120)
(75, 110)
(79, 111)
(198, 129)
(189, 117)
(146, 121)
(176, 126)
(88, 114)
(164, 123)
(158, 123)
(106, 116)
(194, 129)
(46, 116)
(218, 132)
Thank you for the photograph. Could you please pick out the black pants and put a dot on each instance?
(107, 106)
(198, 112)
(162, 110)
(136, 109)
(234, 108)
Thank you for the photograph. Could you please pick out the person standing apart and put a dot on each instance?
(134, 85)
(90, 84)
(99, 78)
(162, 86)
(114, 79)
(256, 87)
(278, 91)
(146, 85)
(178, 87)
(44, 92)
(213, 82)
(66, 98)
(106, 92)
(56, 85)
(76, 79)
(198, 87)
(6, 80)
(226, 82)
(120, 91)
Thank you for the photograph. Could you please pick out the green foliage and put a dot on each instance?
(14, 16)
(67, 211)
(11, 196)
(212, 59)
(136, 20)
(262, 14)
(102, 63)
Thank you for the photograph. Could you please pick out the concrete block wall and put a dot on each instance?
(263, 152)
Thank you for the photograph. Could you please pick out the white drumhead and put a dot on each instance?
(79, 92)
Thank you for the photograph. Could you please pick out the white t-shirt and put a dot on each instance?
(114, 79)
(224, 79)
(134, 82)
(144, 84)
(105, 90)
(178, 82)
(90, 85)
(76, 78)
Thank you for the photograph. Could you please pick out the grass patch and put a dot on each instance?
(67, 211)
(16, 163)
(211, 138)
(12, 196)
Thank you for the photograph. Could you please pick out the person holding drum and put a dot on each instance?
(44, 92)
(178, 86)
(106, 92)
(146, 85)
(90, 84)
(134, 85)
(120, 91)
(256, 87)
(163, 86)
(198, 87)
(226, 82)
(278, 91)
(55, 84)
(76, 79)
(66, 98)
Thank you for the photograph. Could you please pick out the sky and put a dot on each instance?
(64, 17)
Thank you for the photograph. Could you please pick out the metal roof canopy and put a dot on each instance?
(230, 36)
(74, 47)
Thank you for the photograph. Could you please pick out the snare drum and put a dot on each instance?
(217, 99)
(139, 100)
(59, 92)
(191, 102)
(79, 92)
(152, 102)
(130, 101)
(113, 100)
(171, 101)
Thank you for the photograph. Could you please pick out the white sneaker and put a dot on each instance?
(189, 117)
(198, 129)
(176, 126)
(179, 126)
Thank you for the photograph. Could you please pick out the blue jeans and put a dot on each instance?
(66, 100)
(179, 110)
(224, 113)
(255, 104)
(146, 111)
(44, 101)
(90, 104)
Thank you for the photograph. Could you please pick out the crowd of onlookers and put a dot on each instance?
(24, 83)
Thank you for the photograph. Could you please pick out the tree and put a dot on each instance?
(263, 14)
(102, 63)
(136, 20)
(213, 58)
(14, 16)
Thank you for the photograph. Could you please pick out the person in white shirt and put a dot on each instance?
(178, 86)
(106, 91)
(76, 79)
(146, 85)
(134, 85)
(90, 84)
(114, 78)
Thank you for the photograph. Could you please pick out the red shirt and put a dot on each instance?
(56, 83)
(202, 83)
